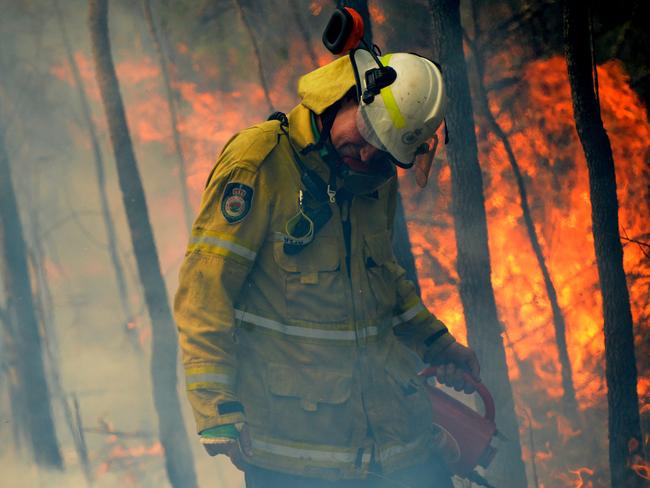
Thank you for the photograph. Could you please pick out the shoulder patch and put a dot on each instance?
(236, 202)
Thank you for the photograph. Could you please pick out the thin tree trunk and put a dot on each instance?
(173, 115)
(178, 456)
(401, 241)
(32, 382)
(99, 173)
(569, 394)
(80, 442)
(621, 374)
(8, 369)
(256, 52)
(473, 262)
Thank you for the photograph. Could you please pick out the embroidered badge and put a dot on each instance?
(236, 202)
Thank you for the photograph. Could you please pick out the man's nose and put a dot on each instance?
(368, 152)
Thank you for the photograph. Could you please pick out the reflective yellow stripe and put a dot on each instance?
(219, 244)
(309, 452)
(325, 334)
(206, 377)
(307, 332)
(409, 314)
(389, 100)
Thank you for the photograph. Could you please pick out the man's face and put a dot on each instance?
(348, 142)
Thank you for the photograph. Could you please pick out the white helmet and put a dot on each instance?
(405, 113)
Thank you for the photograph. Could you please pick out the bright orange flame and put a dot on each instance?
(583, 475)
(538, 117)
(642, 469)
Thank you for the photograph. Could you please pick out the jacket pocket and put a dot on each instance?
(312, 404)
(407, 406)
(314, 286)
(378, 259)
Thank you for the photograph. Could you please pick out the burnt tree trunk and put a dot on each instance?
(173, 114)
(21, 316)
(473, 262)
(178, 456)
(109, 225)
(569, 393)
(624, 424)
(401, 241)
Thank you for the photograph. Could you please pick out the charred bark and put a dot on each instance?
(569, 394)
(178, 457)
(109, 225)
(30, 369)
(473, 261)
(173, 114)
(624, 425)
(401, 241)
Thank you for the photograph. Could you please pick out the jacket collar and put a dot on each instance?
(302, 135)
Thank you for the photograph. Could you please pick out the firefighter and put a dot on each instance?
(301, 336)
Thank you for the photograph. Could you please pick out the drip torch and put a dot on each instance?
(463, 435)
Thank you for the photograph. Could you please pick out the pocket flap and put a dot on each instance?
(320, 255)
(379, 247)
(401, 366)
(311, 385)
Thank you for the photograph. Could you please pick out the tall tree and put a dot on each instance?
(89, 124)
(173, 113)
(569, 394)
(620, 365)
(401, 241)
(21, 315)
(473, 259)
(178, 456)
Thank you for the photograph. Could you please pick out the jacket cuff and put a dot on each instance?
(438, 342)
(228, 431)
(207, 423)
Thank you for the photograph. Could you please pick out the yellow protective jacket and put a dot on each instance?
(317, 358)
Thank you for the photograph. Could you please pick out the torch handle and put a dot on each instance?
(484, 393)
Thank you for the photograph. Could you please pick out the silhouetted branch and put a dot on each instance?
(642, 245)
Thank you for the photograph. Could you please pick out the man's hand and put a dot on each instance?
(452, 363)
(233, 447)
